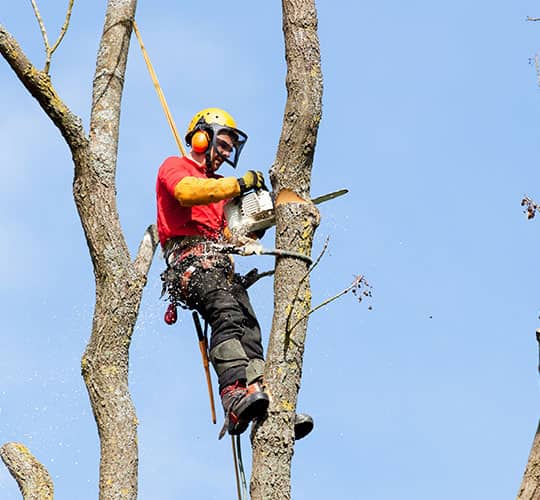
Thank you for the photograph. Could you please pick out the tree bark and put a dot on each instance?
(119, 280)
(530, 485)
(33, 479)
(296, 221)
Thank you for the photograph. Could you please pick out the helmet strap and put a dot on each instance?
(208, 157)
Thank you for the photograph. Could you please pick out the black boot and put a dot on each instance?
(303, 423)
(241, 407)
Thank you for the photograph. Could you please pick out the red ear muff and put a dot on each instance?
(200, 141)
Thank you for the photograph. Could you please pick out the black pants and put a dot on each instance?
(223, 302)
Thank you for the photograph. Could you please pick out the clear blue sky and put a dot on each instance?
(430, 120)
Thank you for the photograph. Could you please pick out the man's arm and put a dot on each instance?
(192, 191)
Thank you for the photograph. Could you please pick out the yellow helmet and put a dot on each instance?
(212, 122)
(209, 116)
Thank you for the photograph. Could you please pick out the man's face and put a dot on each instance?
(224, 146)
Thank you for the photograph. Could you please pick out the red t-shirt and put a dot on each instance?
(175, 220)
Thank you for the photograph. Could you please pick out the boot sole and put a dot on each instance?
(303, 425)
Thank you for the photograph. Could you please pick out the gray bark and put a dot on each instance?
(530, 485)
(119, 280)
(33, 479)
(296, 221)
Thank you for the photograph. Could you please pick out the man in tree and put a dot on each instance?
(190, 201)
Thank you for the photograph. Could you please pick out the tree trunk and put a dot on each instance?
(296, 221)
(119, 286)
(119, 280)
(530, 485)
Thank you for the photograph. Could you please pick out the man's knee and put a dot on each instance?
(228, 354)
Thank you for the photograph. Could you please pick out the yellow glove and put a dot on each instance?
(252, 179)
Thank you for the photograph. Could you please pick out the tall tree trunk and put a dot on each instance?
(119, 280)
(297, 219)
(118, 286)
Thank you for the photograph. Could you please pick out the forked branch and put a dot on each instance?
(49, 50)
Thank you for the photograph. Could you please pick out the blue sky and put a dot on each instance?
(430, 119)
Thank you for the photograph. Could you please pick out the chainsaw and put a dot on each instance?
(254, 211)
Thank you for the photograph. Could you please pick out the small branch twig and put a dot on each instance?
(49, 51)
(356, 287)
(41, 26)
(32, 477)
(533, 18)
(309, 271)
(64, 27)
(531, 207)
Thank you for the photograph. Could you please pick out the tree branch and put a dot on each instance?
(41, 27)
(49, 51)
(533, 18)
(38, 83)
(64, 28)
(145, 254)
(32, 477)
(355, 286)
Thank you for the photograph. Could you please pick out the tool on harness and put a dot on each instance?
(170, 314)
(254, 211)
(203, 346)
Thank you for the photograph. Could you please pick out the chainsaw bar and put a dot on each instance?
(271, 221)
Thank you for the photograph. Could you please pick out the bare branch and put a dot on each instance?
(533, 18)
(145, 254)
(32, 477)
(295, 298)
(41, 27)
(356, 287)
(64, 28)
(39, 85)
(49, 51)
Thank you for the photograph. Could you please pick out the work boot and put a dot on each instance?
(303, 423)
(241, 407)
